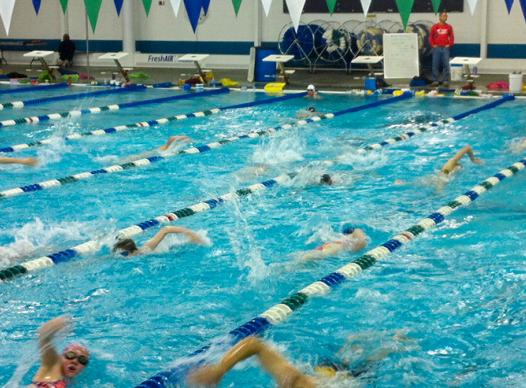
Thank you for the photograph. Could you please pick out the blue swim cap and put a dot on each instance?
(348, 229)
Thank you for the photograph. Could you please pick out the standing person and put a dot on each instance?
(66, 50)
(442, 39)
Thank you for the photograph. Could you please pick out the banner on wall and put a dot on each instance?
(331, 4)
(6, 13)
(64, 5)
(295, 9)
(472, 6)
(436, 5)
(92, 9)
(236, 4)
(118, 6)
(206, 5)
(509, 4)
(523, 6)
(36, 5)
(405, 7)
(176, 5)
(147, 6)
(193, 9)
(266, 6)
(366, 4)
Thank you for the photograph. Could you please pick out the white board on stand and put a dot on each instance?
(401, 55)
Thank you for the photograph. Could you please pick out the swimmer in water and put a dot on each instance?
(309, 112)
(452, 166)
(518, 146)
(285, 374)
(57, 370)
(353, 239)
(165, 149)
(127, 247)
(312, 92)
(32, 162)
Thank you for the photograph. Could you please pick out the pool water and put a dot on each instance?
(457, 292)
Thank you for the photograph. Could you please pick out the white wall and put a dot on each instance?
(221, 25)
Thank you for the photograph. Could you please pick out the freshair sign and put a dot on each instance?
(155, 59)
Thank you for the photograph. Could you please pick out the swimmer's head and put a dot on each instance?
(125, 247)
(348, 229)
(328, 368)
(311, 90)
(74, 359)
(311, 109)
(326, 179)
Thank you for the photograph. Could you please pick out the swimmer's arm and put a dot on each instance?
(25, 161)
(173, 139)
(48, 353)
(359, 240)
(273, 362)
(453, 162)
(193, 237)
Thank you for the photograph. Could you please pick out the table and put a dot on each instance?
(466, 62)
(40, 56)
(116, 57)
(280, 62)
(195, 58)
(26, 43)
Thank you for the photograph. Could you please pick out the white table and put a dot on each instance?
(115, 57)
(280, 61)
(195, 58)
(466, 62)
(367, 60)
(40, 56)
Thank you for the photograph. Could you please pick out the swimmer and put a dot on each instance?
(57, 370)
(32, 162)
(326, 179)
(127, 247)
(172, 140)
(312, 92)
(453, 165)
(353, 239)
(283, 372)
(165, 149)
(518, 146)
(309, 112)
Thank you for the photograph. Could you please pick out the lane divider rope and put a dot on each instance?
(149, 123)
(281, 311)
(113, 107)
(9, 193)
(38, 88)
(38, 101)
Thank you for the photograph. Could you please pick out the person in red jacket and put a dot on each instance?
(442, 39)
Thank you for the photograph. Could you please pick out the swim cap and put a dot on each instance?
(311, 87)
(348, 229)
(311, 109)
(76, 347)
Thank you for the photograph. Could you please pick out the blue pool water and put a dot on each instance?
(457, 291)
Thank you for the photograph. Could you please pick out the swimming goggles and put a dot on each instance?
(70, 355)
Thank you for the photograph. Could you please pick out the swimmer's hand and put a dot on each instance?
(477, 161)
(52, 327)
(207, 376)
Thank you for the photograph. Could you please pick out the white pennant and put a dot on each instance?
(472, 5)
(176, 4)
(365, 6)
(6, 12)
(266, 5)
(295, 9)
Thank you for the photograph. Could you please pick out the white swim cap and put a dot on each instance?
(311, 87)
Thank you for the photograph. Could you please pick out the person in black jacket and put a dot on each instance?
(66, 50)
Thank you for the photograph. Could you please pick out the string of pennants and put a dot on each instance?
(195, 7)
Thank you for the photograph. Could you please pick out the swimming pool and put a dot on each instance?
(457, 290)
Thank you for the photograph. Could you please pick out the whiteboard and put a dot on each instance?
(401, 55)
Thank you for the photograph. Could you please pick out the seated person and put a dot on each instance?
(26, 161)
(353, 239)
(57, 370)
(66, 51)
(452, 166)
(127, 247)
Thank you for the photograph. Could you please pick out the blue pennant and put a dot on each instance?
(118, 6)
(523, 5)
(206, 4)
(509, 4)
(193, 9)
(36, 4)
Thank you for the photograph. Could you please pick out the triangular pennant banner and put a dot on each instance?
(36, 5)
(295, 9)
(436, 5)
(366, 4)
(93, 8)
(118, 6)
(206, 5)
(64, 5)
(405, 7)
(176, 4)
(331, 4)
(193, 9)
(472, 5)
(147, 6)
(236, 4)
(509, 4)
(266, 6)
(6, 12)
(523, 6)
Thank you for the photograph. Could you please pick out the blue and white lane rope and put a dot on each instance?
(281, 311)
(38, 101)
(150, 123)
(191, 150)
(39, 88)
(113, 107)
(93, 246)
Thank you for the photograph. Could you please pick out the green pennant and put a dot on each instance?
(405, 7)
(147, 6)
(64, 5)
(237, 4)
(93, 8)
(436, 5)
(331, 4)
